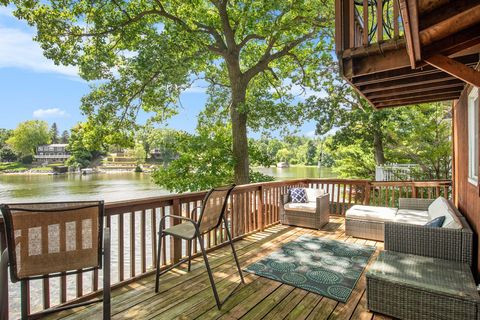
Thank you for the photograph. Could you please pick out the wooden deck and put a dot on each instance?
(188, 295)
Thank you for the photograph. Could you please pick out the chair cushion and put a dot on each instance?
(435, 223)
(313, 194)
(184, 230)
(306, 207)
(418, 217)
(298, 195)
(371, 213)
(441, 207)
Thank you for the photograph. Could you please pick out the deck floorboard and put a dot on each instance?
(187, 295)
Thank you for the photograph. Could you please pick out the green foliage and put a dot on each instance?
(255, 55)
(81, 147)
(7, 154)
(139, 154)
(204, 161)
(4, 135)
(27, 136)
(12, 166)
(54, 134)
(353, 161)
(65, 136)
(164, 141)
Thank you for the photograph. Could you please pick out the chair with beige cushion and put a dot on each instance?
(312, 214)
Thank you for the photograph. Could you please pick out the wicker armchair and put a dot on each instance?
(306, 217)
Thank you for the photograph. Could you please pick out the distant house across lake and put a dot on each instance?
(52, 153)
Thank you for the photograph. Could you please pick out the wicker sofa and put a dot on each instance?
(370, 222)
(313, 214)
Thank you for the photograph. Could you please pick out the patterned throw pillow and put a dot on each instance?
(298, 195)
(435, 223)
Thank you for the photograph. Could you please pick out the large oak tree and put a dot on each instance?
(147, 52)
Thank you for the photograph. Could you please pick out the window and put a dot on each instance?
(473, 129)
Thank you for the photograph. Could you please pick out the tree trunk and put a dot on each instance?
(239, 134)
(378, 147)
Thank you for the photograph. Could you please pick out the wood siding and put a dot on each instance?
(467, 195)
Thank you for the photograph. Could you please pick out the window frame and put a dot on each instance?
(473, 130)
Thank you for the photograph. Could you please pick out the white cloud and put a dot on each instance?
(195, 90)
(18, 50)
(49, 113)
(310, 133)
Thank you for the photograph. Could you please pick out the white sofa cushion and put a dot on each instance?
(418, 217)
(441, 207)
(313, 194)
(306, 207)
(371, 213)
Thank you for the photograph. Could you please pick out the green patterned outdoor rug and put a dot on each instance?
(328, 267)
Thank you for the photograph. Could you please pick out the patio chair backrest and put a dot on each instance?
(213, 208)
(45, 239)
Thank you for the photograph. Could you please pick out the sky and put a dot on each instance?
(33, 87)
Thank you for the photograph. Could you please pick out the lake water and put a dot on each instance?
(111, 187)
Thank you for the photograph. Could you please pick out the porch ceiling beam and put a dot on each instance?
(420, 95)
(455, 68)
(449, 19)
(407, 82)
(454, 43)
(449, 84)
(408, 102)
(409, 13)
(389, 60)
(407, 72)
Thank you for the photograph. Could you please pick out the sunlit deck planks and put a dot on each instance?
(188, 295)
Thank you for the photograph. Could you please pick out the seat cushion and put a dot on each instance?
(313, 194)
(184, 230)
(306, 207)
(441, 207)
(418, 217)
(371, 213)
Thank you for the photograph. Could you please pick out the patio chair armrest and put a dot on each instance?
(4, 261)
(442, 243)
(162, 221)
(414, 203)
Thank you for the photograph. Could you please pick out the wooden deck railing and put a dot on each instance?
(364, 22)
(252, 208)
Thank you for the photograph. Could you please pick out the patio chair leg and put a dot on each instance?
(189, 254)
(4, 286)
(157, 277)
(106, 276)
(233, 250)
(209, 271)
(23, 300)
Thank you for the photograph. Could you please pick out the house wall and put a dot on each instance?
(466, 195)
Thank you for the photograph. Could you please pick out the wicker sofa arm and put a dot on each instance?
(323, 206)
(284, 199)
(414, 203)
(442, 243)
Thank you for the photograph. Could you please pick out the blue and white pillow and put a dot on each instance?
(298, 195)
(435, 223)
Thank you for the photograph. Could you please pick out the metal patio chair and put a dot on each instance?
(212, 213)
(46, 240)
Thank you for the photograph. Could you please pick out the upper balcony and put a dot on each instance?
(406, 52)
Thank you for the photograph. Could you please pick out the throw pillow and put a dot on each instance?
(312, 194)
(298, 195)
(435, 223)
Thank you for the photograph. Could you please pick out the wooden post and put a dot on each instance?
(261, 221)
(366, 197)
(176, 244)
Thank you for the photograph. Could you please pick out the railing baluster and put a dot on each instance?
(379, 20)
(143, 244)
(153, 224)
(396, 32)
(121, 249)
(365, 22)
(132, 244)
